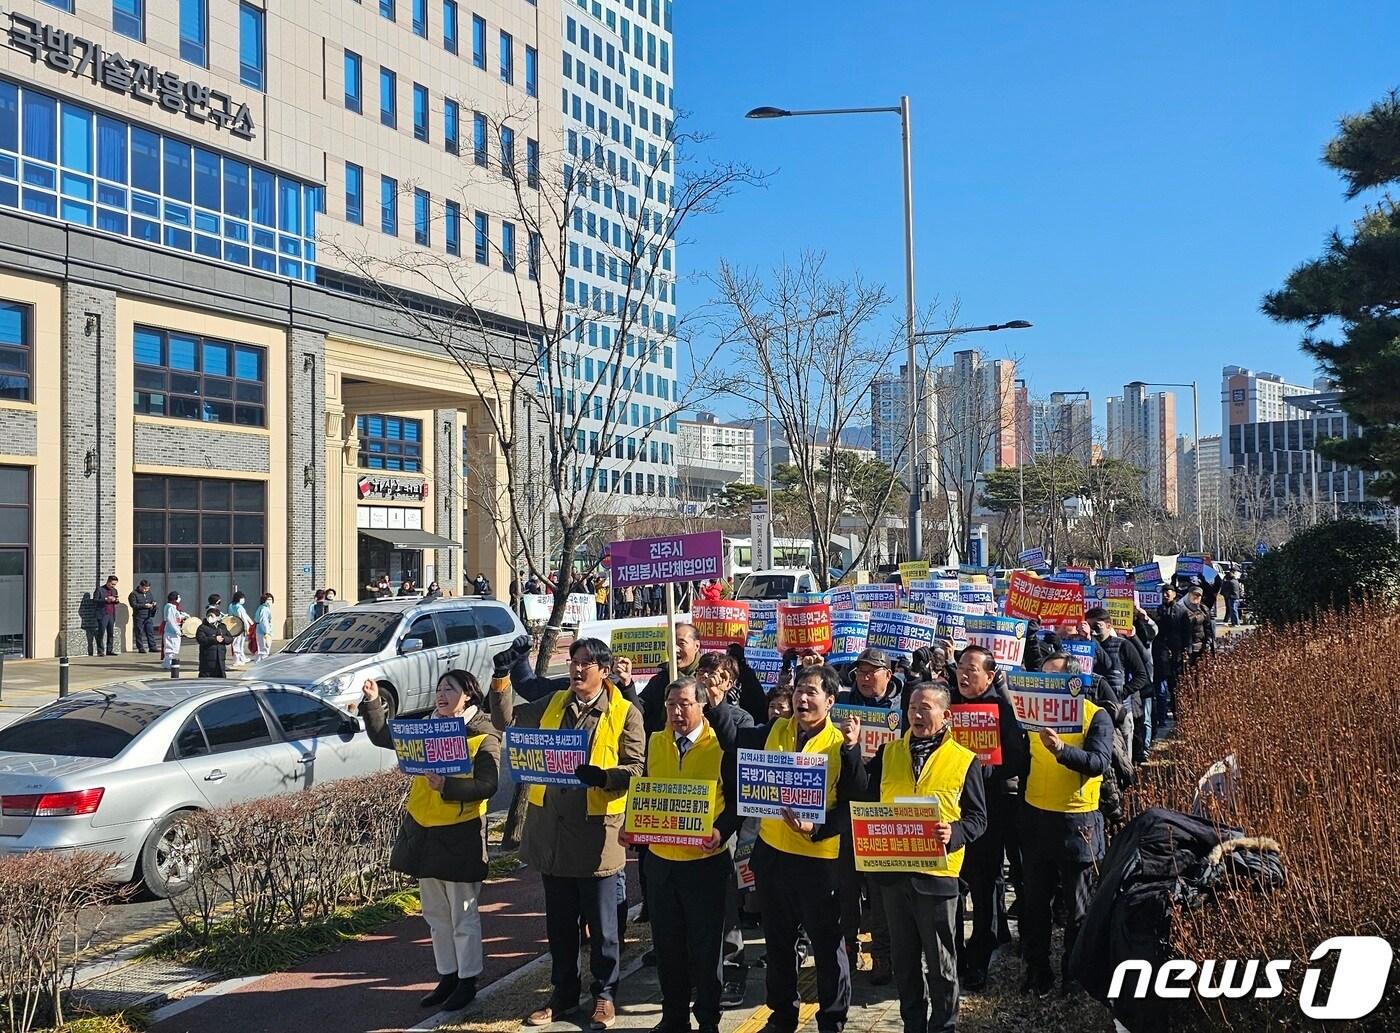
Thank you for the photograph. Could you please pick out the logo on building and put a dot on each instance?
(368, 487)
(1237, 395)
(83, 59)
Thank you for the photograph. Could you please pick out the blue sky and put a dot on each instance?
(1129, 177)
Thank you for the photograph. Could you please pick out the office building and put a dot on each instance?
(889, 416)
(976, 417)
(1210, 459)
(1142, 431)
(712, 455)
(1250, 397)
(203, 204)
(618, 109)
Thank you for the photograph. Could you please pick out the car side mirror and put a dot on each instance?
(350, 726)
(411, 645)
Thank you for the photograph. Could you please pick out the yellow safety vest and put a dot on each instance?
(702, 761)
(1053, 787)
(782, 738)
(942, 778)
(607, 737)
(427, 807)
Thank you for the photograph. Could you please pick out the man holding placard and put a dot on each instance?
(920, 901)
(685, 811)
(575, 815)
(796, 858)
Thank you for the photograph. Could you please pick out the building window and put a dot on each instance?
(532, 163)
(197, 378)
(507, 152)
(452, 228)
(479, 41)
(422, 218)
(198, 536)
(508, 246)
(451, 116)
(479, 139)
(532, 82)
(507, 58)
(483, 239)
(354, 194)
(533, 257)
(354, 83)
(129, 18)
(252, 50)
(420, 112)
(389, 205)
(62, 5)
(449, 26)
(194, 32)
(388, 98)
(390, 443)
(420, 18)
(15, 350)
(386, 9)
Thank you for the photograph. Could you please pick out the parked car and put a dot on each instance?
(776, 583)
(114, 769)
(403, 644)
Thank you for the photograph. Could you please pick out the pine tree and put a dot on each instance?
(1356, 285)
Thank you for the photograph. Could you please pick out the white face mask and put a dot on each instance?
(211, 620)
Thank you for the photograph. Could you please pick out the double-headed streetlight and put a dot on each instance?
(1196, 464)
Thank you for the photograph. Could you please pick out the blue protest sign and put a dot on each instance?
(899, 633)
(1003, 637)
(876, 597)
(1110, 575)
(1147, 574)
(1082, 650)
(767, 664)
(878, 725)
(546, 756)
(432, 746)
(979, 598)
(770, 781)
(951, 618)
(842, 597)
(1045, 700)
(848, 635)
(1032, 558)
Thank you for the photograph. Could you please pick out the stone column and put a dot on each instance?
(447, 497)
(306, 473)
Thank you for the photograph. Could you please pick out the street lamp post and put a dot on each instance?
(1196, 465)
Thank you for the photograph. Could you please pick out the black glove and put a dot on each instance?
(591, 775)
(503, 661)
(790, 660)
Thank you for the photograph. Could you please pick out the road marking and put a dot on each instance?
(203, 997)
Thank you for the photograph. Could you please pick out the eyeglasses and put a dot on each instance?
(581, 664)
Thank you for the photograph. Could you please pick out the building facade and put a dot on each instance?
(1142, 431)
(712, 455)
(1209, 456)
(225, 368)
(976, 417)
(618, 108)
(1250, 397)
(889, 416)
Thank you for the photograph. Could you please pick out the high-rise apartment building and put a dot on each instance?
(225, 228)
(889, 416)
(711, 455)
(1208, 455)
(976, 416)
(1070, 421)
(619, 107)
(1250, 397)
(1142, 431)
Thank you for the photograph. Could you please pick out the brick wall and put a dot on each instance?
(306, 462)
(19, 432)
(200, 445)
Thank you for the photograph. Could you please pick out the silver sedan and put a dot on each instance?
(113, 769)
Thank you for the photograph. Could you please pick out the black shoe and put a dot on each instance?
(444, 989)
(462, 996)
(732, 996)
(667, 1026)
(976, 981)
(1044, 984)
(1003, 933)
(709, 1029)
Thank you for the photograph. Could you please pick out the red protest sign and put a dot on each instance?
(720, 624)
(805, 628)
(978, 727)
(1055, 604)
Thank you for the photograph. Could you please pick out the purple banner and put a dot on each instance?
(677, 557)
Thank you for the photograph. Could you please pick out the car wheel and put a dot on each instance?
(171, 856)
(390, 701)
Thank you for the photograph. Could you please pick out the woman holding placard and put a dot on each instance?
(442, 838)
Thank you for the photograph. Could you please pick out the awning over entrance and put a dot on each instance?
(408, 538)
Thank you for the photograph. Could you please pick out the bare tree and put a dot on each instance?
(558, 434)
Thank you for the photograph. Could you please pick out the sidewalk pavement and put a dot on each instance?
(29, 684)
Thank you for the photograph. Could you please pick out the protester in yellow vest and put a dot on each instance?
(442, 838)
(795, 862)
(571, 834)
(921, 907)
(687, 885)
(1061, 831)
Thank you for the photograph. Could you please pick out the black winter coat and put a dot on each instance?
(452, 853)
(211, 650)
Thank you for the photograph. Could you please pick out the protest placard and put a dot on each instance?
(671, 558)
(1147, 574)
(546, 756)
(913, 570)
(1110, 575)
(841, 598)
(897, 837)
(978, 727)
(951, 617)
(978, 597)
(720, 624)
(805, 628)
(1149, 598)
(876, 597)
(1188, 566)
(770, 781)
(1119, 604)
(647, 648)
(743, 853)
(1054, 604)
(767, 664)
(1003, 637)
(431, 746)
(848, 634)
(1045, 700)
(878, 725)
(1081, 651)
(674, 812)
(899, 633)
(923, 593)
(1031, 558)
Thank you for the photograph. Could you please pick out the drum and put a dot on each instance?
(234, 625)
(189, 626)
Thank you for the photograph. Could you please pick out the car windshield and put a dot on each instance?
(80, 727)
(347, 631)
(766, 586)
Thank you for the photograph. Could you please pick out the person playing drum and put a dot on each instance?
(171, 620)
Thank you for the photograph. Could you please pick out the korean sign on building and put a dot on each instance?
(368, 487)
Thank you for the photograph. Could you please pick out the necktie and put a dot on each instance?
(682, 744)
